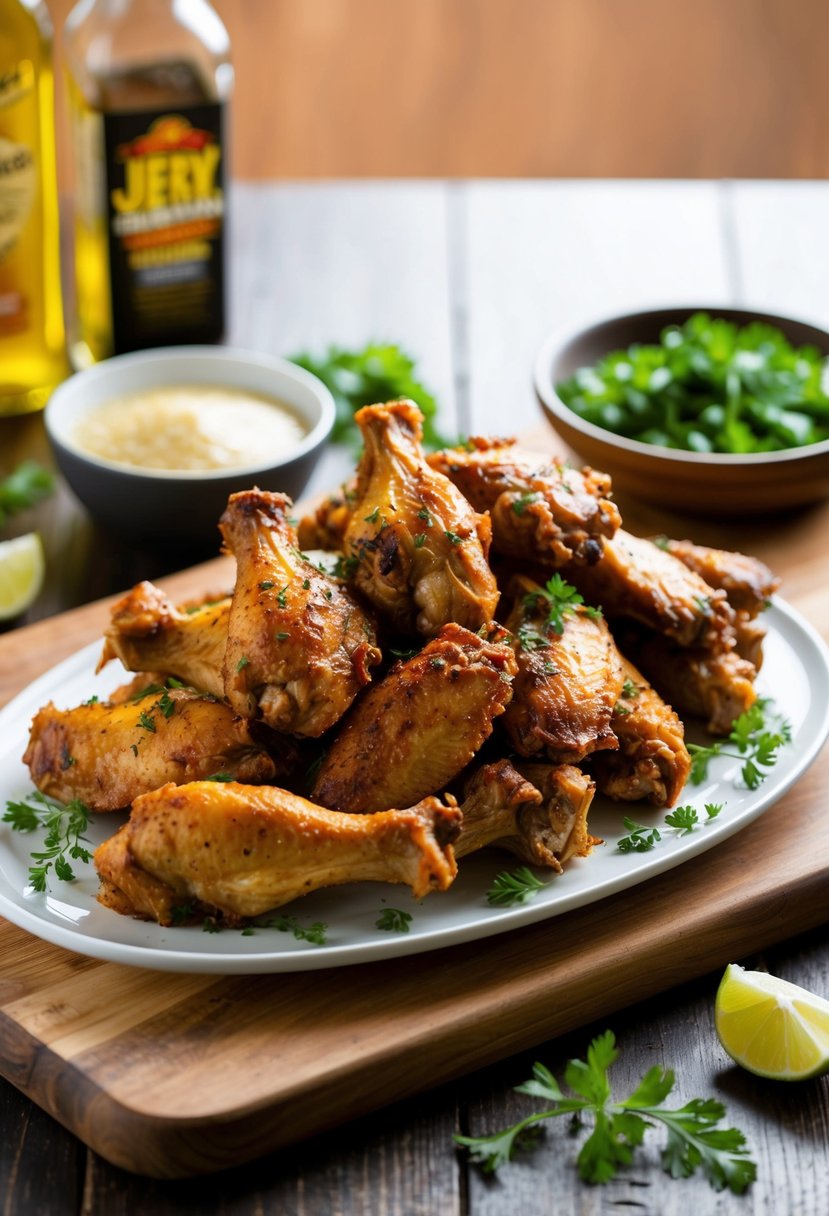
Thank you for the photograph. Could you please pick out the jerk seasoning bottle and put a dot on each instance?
(148, 83)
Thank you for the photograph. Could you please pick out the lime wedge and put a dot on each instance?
(772, 1027)
(21, 574)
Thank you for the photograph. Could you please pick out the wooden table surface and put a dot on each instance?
(470, 277)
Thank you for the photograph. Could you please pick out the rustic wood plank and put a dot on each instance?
(544, 255)
(41, 1164)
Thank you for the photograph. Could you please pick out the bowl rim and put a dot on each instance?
(219, 355)
(564, 335)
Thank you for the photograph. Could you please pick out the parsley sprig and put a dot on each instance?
(394, 920)
(694, 1137)
(512, 887)
(377, 372)
(26, 485)
(757, 735)
(64, 828)
(561, 599)
(641, 839)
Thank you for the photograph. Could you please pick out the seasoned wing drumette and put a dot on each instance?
(299, 647)
(746, 581)
(241, 850)
(149, 634)
(567, 682)
(636, 579)
(416, 730)
(106, 755)
(418, 548)
(717, 687)
(541, 508)
(543, 823)
(325, 526)
(652, 761)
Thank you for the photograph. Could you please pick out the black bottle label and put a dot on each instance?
(166, 214)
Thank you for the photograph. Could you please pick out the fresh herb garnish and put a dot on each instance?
(346, 567)
(93, 700)
(242, 664)
(377, 372)
(166, 704)
(282, 597)
(426, 515)
(520, 505)
(222, 777)
(281, 636)
(694, 1137)
(181, 913)
(314, 934)
(453, 538)
(620, 709)
(374, 517)
(392, 920)
(529, 638)
(629, 690)
(514, 887)
(145, 721)
(684, 818)
(757, 735)
(641, 839)
(64, 827)
(420, 540)
(25, 486)
(709, 386)
(265, 585)
(561, 599)
(211, 925)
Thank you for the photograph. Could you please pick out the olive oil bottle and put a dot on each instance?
(32, 352)
(148, 85)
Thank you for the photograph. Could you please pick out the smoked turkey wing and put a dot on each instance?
(414, 731)
(148, 633)
(418, 549)
(567, 683)
(299, 646)
(652, 760)
(635, 578)
(542, 509)
(241, 850)
(106, 755)
(536, 811)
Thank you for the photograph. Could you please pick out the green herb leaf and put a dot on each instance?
(63, 828)
(514, 887)
(640, 840)
(392, 920)
(27, 485)
(694, 1139)
(757, 735)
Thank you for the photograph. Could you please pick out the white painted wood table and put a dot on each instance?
(470, 277)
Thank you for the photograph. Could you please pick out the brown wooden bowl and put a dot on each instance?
(698, 482)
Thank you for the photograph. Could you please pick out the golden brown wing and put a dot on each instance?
(717, 687)
(567, 683)
(636, 579)
(325, 526)
(299, 646)
(542, 509)
(746, 581)
(241, 850)
(418, 549)
(412, 733)
(149, 634)
(543, 823)
(652, 760)
(106, 755)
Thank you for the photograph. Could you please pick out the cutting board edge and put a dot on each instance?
(185, 1147)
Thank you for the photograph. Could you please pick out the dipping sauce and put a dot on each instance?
(190, 427)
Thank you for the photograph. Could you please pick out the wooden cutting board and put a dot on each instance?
(176, 1075)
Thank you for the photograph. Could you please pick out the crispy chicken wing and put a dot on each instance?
(543, 819)
(418, 548)
(299, 647)
(652, 760)
(412, 733)
(325, 526)
(107, 755)
(636, 579)
(241, 850)
(542, 509)
(746, 581)
(717, 687)
(567, 683)
(149, 634)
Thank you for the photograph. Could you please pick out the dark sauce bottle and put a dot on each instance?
(148, 82)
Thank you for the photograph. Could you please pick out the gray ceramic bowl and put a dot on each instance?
(171, 505)
(696, 482)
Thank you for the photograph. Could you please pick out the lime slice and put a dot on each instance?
(21, 574)
(772, 1027)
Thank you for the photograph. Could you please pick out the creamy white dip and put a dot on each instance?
(190, 426)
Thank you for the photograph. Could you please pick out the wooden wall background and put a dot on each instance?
(561, 88)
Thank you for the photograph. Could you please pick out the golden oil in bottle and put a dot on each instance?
(147, 90)
(32, 352)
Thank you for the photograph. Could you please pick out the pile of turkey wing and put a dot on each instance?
(427, 697)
